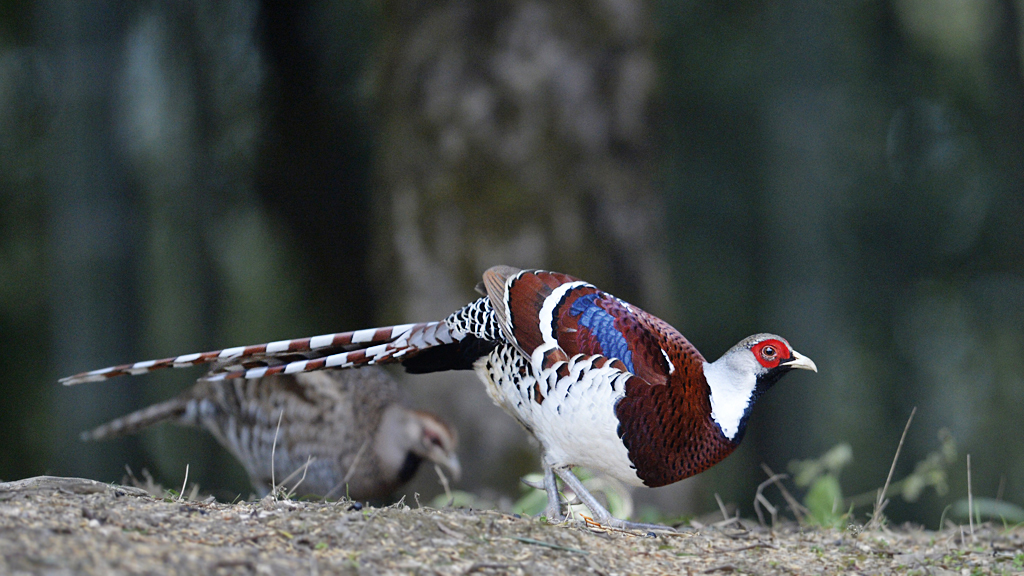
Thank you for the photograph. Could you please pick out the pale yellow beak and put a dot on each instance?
(800, 361)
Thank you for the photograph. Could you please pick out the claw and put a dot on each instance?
(603, 518)
(532, 484)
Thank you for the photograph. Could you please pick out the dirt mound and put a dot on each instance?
(54, 525)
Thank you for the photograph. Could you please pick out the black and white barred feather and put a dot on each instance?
(388, 344)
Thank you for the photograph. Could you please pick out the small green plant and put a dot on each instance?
(824, 497)
(617, 497)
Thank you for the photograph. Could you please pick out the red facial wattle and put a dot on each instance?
(771, 352)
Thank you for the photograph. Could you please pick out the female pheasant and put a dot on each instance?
(600, 383)
(335, 433)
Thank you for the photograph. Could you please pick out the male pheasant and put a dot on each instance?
(325, 434)
(599, 382)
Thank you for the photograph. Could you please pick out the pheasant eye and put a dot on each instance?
(768, 352)
(433, 439)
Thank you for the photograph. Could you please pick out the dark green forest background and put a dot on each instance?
(185, 176)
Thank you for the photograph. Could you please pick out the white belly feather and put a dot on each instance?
(575, 420)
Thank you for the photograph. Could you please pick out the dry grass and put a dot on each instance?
(881, 502)
(63, 525)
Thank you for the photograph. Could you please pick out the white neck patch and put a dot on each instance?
(731, 390)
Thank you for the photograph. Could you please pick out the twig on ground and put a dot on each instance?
(970, 498)
(449, 531)
(721, 506)
(444, 483)
(273, 452)
(760, 500)
(131, 475)
(749, 547)
(548, 545)
(355, 462)
(799, 510)
(881, 502)
(481, 566)
(185, 483)
(729, 521)
(291, 491)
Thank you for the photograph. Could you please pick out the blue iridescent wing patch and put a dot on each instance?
(602, 327)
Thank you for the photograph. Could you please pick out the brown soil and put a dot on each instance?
(73, 526)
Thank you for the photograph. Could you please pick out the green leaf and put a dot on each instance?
(825, 501)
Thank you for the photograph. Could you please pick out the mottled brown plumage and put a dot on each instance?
(348, 425)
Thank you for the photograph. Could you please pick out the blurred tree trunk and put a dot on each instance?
(188, 88)
(512, 133)
(159, 243)
(93, 235)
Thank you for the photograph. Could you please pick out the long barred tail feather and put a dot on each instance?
(340, 350)
(170, 411)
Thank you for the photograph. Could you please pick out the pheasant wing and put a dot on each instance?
(552, 310)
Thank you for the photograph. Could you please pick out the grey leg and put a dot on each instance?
(601, 514)
(554, 509)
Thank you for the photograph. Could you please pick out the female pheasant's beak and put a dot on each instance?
(800, 361)
(449, 461)
(436, 441)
